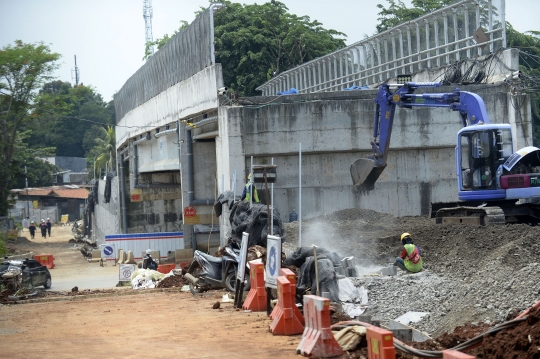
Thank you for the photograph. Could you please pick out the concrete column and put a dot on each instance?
(477, 10)
(418, 46)
(466, 21)
(456, 33)
(428, 47)
(409, 48)
(437, 51)
(445, 22)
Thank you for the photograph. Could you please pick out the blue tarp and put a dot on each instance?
(292, 91)
(356, 88)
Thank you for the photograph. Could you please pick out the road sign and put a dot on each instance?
(241, 272)
(107, 251)
(273, 260)
(125, 272)
(190, 212)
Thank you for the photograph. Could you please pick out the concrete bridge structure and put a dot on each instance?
(182, 146)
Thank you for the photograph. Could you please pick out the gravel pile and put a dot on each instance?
(472, 274)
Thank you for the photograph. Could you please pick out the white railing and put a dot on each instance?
(437, 39)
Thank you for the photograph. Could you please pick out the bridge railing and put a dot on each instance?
(437, 39)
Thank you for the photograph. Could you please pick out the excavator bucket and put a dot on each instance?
(364, 174)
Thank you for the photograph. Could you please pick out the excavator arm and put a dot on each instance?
(471, 108)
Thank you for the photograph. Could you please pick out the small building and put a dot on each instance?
(49, 202)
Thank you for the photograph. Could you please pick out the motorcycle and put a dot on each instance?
(209, 272)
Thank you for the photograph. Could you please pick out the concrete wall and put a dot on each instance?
(106, 217)
(335, 129)
(189, 97)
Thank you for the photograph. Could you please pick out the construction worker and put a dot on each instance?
(410, 259)
(32, 229)
(250, 190)
(43, 227)
(49, 226)
(149, 262)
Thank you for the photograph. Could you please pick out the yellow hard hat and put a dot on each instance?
(405, 235)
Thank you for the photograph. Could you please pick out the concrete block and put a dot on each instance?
(403, 321)
(120, 256)
(96, 254)
(183, 255)
(130, 258)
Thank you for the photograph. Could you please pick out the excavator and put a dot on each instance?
(489, 172)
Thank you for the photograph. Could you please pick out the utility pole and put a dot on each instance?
(27, 204)
(75, 72)
(147, 15)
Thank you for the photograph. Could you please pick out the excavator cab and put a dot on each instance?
(480, 151)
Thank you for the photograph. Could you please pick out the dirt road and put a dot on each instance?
(153, 324)
(128, 324)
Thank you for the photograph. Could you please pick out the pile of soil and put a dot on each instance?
(173, 281)
(472, 274)
(4, 295)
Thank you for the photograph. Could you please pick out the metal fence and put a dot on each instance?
(437, 39)
(186, 53)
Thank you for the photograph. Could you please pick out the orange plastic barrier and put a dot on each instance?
(454, 354)
(165, 268)
(46, 260)
(285, 272)
(318, 340)
(256, 298)
(286, 322)
(380, 343)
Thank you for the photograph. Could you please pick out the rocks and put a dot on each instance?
(471, 273)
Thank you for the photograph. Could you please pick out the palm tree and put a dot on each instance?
(105, 153)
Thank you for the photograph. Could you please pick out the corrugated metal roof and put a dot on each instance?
(71, 193)
(55, 191)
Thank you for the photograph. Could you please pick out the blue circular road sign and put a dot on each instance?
(108, 250)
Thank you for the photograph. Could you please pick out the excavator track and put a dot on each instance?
(462, 215)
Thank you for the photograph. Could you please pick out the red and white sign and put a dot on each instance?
(190, 212)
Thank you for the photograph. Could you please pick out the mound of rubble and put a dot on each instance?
(472, 274)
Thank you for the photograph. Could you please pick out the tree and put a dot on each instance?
(24, 68)
(103, 154)
(254, 42)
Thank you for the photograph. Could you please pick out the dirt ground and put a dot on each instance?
(122, 323)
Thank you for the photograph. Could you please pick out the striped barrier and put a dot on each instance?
(256, 298)
(318, 340)
(292, 278)
(286, 322)
(380, 343)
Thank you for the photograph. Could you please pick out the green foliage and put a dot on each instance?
(103, 154)
(3, 245)
(67, 118)
(529, 63)
(24, 68)
(255, 41)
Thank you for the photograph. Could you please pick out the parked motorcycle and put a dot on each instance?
(209, 272)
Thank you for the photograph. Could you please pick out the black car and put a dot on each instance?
(31, 269)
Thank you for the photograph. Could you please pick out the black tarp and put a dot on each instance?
(327, 277)
(254, 221)
(108, 180)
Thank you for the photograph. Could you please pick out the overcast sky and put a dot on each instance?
(108, 35)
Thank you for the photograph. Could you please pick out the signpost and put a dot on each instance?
(125, 272)
(273, 265)
(241, 272)
(108, 252)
